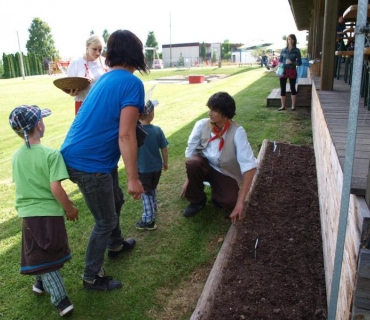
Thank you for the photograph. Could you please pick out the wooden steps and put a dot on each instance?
(304, 90)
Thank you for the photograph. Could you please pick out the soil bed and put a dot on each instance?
(283, 278)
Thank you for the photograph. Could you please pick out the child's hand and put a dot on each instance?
(73, 92)
(72, 214)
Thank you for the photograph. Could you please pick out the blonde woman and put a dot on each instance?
(91, 65)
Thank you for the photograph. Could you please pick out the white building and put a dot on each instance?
(242, 57)
(190, 53)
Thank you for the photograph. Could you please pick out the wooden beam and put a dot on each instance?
(329, 44)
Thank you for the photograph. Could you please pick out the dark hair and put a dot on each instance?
(292, 36)
(222, 102)
(125, 49)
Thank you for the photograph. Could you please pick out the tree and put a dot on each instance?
(214, 57)
(1, 68)
(226, 50)
(41, 42)
(180, 63)
(203, 52)
(106, 35)
(151, 42)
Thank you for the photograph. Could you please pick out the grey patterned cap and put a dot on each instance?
(25, 117)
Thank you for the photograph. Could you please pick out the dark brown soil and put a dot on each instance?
(283, 278)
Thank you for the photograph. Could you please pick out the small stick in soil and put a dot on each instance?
(255, 249)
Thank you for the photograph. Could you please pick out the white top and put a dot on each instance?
(94, 70)
(244, 152)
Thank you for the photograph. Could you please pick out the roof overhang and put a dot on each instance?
(301, 10)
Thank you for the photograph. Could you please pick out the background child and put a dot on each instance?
(150, 164)
(42, 202)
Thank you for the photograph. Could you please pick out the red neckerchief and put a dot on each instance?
(87, 69)
(219, 133)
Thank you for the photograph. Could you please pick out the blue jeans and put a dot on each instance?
(104, 198)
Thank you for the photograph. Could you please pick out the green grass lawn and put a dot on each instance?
(164, 275)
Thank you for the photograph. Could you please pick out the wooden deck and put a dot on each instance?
(335, 105)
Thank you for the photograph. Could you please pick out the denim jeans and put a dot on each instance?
(104, 198)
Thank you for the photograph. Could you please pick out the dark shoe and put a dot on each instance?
(216, 204)
(127, 245)
(38, 287)
(293, 108)
(65, 307)
(193, 208)
(281, 109)
(141, 225)
(102, 284)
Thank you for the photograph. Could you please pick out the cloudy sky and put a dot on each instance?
(172, 21)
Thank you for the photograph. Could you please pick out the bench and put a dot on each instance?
(304, 91)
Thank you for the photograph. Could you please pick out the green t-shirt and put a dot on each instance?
(33, 170)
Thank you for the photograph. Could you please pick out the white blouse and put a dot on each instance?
(92, 70)
(244, 152)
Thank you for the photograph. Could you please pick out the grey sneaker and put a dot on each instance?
(127, 245)
(141, 225)
(102, 284)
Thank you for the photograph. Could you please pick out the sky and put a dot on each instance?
(172, 21)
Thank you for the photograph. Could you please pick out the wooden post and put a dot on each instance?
(329, 44)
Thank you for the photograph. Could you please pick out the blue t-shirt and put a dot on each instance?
(149, 156)
(91, 144)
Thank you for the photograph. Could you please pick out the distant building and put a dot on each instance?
(242, 57)
(188, 54)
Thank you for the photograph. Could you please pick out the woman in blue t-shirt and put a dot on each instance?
(103, 131)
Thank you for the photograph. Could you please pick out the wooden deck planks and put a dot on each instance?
(335, 105)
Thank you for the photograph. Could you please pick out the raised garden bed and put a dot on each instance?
(271, 265)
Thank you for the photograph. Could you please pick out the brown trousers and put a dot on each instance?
(224, 189)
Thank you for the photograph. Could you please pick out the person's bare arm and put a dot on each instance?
(243, 192)
(165, 158)
(128, 147)
(59, 193)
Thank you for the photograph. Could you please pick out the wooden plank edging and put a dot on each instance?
(206, 299)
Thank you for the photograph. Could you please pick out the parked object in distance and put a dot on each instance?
(157, 64)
